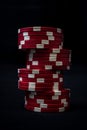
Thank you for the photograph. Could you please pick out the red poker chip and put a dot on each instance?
(40, 55)
(38, 109)
(36, 71)
(32, 102)
(34, 41)
(48, 93)
(37, 37)
(42, 85)
(62, 91)
(47, 101)
(50, 97)
(48, 60)
(43, 63)
(48, 76)
(47, 51)
(41, 33)
(38, 46)
(33, 86)
(49, 67)
(45, 105)
(38, 80)
(49, 55)
(40, 29)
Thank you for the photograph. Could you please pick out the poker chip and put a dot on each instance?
(37, 71)
(30, 75)
(40, 33)
(48, 67)
(37, 37)
(30, 45)
(49, 59)
(33, 86)
(63, 101)
(39, 80)
(46, 101)
(66, 103)
(48, 51)
(50, 95)
(42, 79)
(39, 29)
(53, 62)
(57, 55)
(38, 109)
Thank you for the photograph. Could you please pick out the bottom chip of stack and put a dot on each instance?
(38, 104)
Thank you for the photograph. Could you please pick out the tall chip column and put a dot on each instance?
(42, 78)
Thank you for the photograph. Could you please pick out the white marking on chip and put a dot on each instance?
(25, 33)
(49, 33)
(39, 45)
(43, 105)
(61, 109)
(26, 38)
(57, 92)
(40, 101)
(32, 84)
(34, 62)
(18, 30)
(56, 83)
(44, 41)
(20, 79)
(18, 70)
(61, 79)
(20, 46)
(37, 109)
(55, 97)
(55, 75)
(60, 47)
(28, 66)
(31, 76)
(37, 28)
(53, 55)
(56, 50)
(63, 100)
(59, 30)
(35, 71)
(48, 67)
(51, 38)
(40, 80)
(59, 63)
(52, 58)
(22, 42)
(55, 87)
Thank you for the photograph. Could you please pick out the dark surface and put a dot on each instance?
(71, 17)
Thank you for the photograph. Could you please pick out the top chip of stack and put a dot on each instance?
(40, 38)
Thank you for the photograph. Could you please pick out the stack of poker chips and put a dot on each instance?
(42, 79)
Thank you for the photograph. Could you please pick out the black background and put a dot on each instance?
(71, 17)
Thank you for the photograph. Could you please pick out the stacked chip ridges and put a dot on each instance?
(42, 78)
